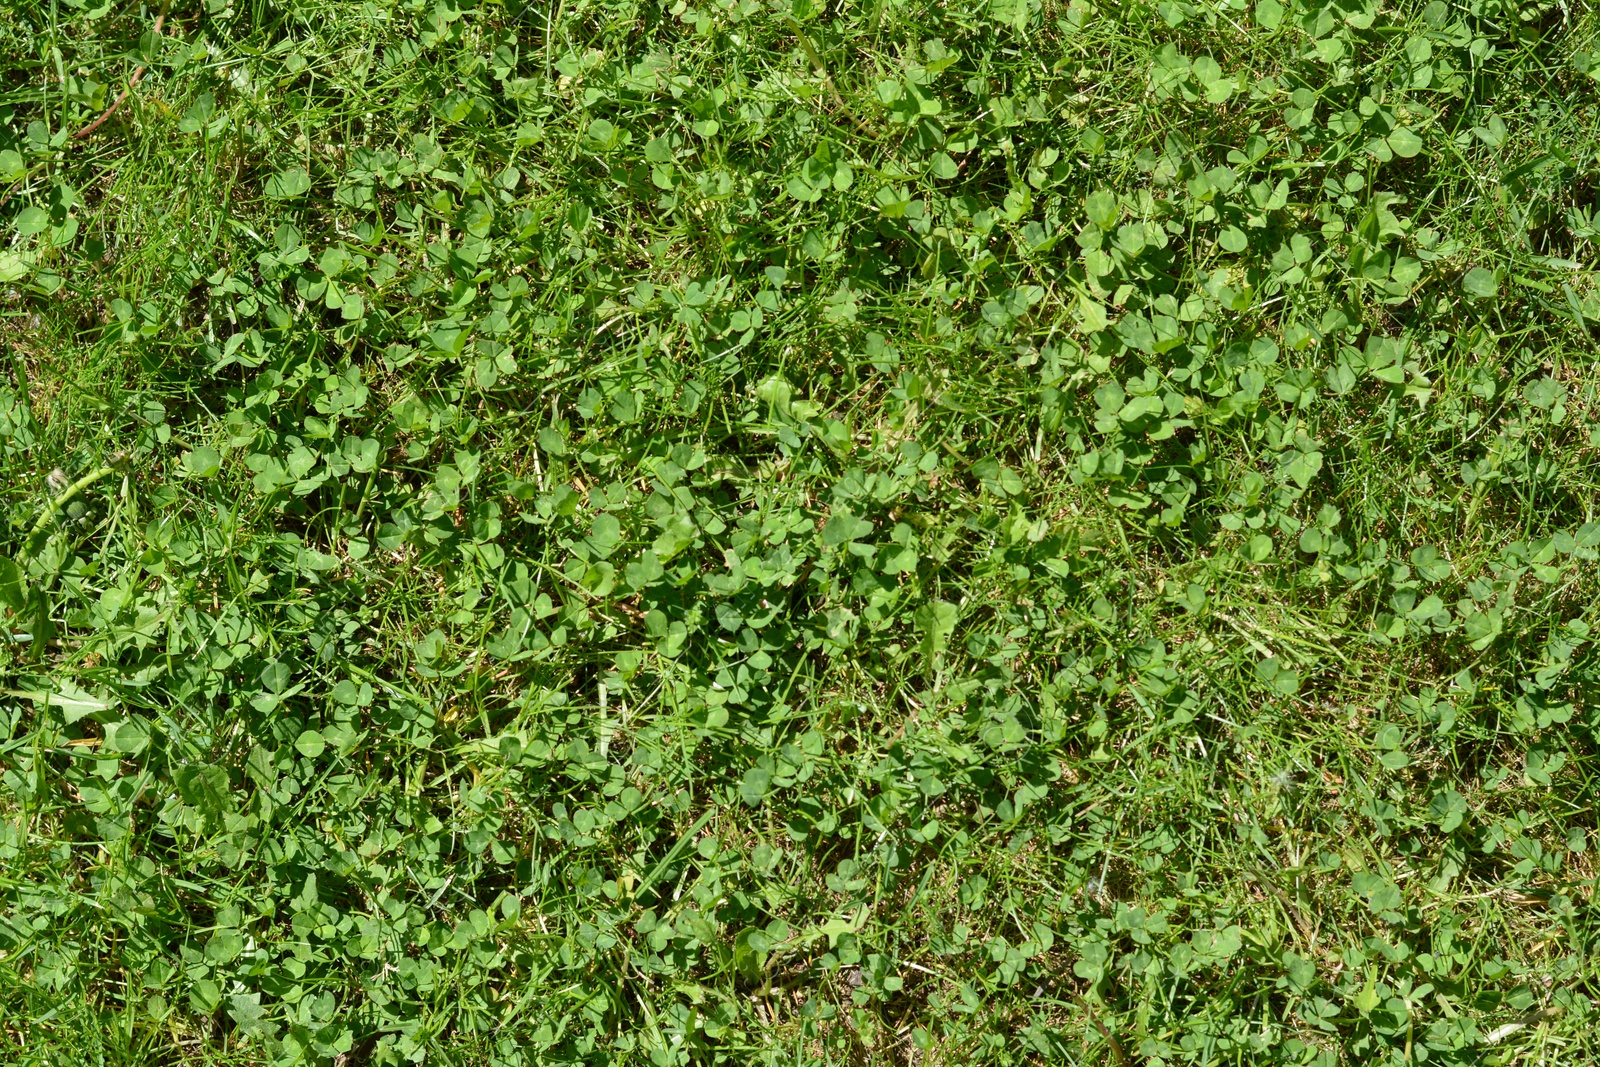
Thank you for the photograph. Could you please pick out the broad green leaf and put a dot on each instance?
(1381, 894)
(1448, 808)
(551, 440)
(31, 220)
(74, 702)
(1481, 628)
(1480, 284)
(13, 268)
(310, 744)
(1102, 208)
(1258, 549)
(842, 527)
(937, 621)
(288, 184)
(1220, 90)
(276, 676)
(604, 535)
(205, 788)
(224, 946)
(202, 462)
(601, 136)
(247, 1012)
(1300, 971)
(1394, 760)
(13, 585)
(1404, 143)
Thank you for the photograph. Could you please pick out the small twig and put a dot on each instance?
(1500, 1033)
(1111, 1039)
(137, 74)
(549, 38)
(827, 79)
(1260, 878)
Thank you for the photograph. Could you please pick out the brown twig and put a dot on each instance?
(137, 74)
(827, 79)
(1105, 1032)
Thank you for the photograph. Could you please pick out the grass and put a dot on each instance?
(798, 533)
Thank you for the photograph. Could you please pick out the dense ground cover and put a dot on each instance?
(832, 531)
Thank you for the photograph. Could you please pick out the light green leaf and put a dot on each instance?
(13, 268)
(1221, 90)
(1258, 549)
(605, 535)
(551, 441)
(937, 621)
(13, 585)
(75, 703)
(843, 527)
(288, 183)
(1480, 628)
(1102, 208)
(1480, 284)
(1404, 143)
(310, 744)
(601, 136)
(202, 462)
(31, 220)
(1091, 313)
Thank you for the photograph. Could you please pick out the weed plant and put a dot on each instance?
(798, 532)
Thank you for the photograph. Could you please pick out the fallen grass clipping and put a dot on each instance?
(798, 532)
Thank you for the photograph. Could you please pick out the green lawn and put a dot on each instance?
(799, 532)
